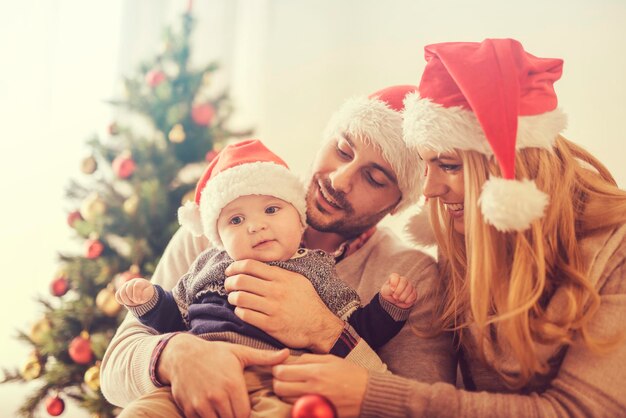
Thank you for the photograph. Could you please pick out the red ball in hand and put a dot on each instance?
(55, 406)
(80, 350)
(59, 286)
(313, 406)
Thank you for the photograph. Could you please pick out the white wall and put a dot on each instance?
(319, 53)
(300, 60)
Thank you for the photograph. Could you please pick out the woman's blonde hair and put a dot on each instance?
(501, 282)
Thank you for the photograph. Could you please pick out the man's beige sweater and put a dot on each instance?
(125, 367)
(580, 383)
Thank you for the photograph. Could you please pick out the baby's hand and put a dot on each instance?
(399, 291)
(135, 292)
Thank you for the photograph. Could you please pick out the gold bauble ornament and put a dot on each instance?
(39, 330)
(92, 377)
(131, 205)
(177, 134)
(32, 368)
(89, 165)
(92, 207)
(105, 301)
(218, 146)
(190, 196)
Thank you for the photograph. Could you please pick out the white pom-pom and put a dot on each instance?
(189, 217)
(420, 229)
(511, 205)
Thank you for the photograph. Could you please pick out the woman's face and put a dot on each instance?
(443, 179)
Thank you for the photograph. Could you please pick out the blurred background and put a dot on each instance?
(287, 65)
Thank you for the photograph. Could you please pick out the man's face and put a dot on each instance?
(352, 187)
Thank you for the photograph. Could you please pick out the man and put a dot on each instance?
(362, 173)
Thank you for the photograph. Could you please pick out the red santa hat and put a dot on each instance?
(495, 98)
(377, 118)
(240, 169)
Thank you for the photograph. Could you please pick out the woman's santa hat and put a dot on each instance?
(240, 169)
(377, 118)
(495, 98)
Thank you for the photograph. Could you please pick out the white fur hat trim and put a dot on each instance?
(430, 125)
(257, 178)
(419, 228)
(373, 120)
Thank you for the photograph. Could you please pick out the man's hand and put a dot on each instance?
(342, 382)
(207, 376)
(282, 303)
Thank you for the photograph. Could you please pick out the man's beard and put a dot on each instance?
(348, 224)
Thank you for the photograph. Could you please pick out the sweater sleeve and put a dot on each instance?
(124, 373)
(378, 321)
(411, 353)
(587, 383)
(160, 313)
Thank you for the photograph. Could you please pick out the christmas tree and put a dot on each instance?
(169, 125)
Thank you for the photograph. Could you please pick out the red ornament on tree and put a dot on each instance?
(73, 217)
(127, 275)
(113, 129)
(93, 248)
(123, 165)
(55, 406)
(203, 114)
(155, 77)
(210, 155)
(59, 286)
(313, 406)
(80, 349)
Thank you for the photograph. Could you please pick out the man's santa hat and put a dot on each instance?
(240, 169)
(495, 98)
(377, 119)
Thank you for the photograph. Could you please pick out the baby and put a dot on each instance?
(250, 206)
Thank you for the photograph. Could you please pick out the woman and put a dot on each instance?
(531, 232)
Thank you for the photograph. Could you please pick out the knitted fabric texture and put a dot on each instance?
(207, 275)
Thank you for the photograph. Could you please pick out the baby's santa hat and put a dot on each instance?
(377, 118)
(240, 169)
(495, 98)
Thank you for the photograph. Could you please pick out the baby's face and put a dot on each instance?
(260, 227)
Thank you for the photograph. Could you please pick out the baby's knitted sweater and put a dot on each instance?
(199, 303)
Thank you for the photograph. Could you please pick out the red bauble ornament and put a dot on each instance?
(155, 77)
(123, 166)
(313, 406)
(113, 129)
(73, 217)
(93, 248)
(210, 155)
(203, 114)
(80, 350)
(127, 275)
(55, 406)
(59, 286)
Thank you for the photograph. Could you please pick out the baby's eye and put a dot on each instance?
(271, 209)
(236, 220)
